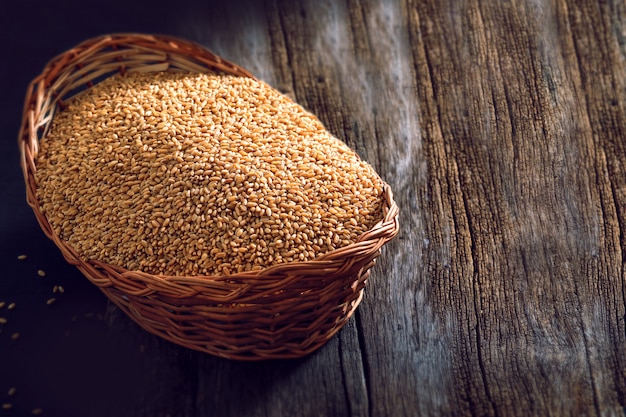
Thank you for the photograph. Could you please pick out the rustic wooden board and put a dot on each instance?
(500, 126)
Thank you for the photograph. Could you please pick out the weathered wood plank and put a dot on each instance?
(506, 131)
(330, 382)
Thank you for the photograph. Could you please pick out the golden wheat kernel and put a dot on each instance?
(15, 336)
(7, 406)
(41, 273)
(51, 301)
(11, 306)
(22, 257)
(3, 320)
(37, 411)
(11, 391)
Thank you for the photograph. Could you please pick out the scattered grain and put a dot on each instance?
(41, 273)
(3, 320)
(2, 304)
(7, 406)
(11, 306)
(37, 411)
(22, 257)
(15, 336)
(51, 300)
(12, 391)
(188, 174)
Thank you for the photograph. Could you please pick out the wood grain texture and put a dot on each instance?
(501, 127)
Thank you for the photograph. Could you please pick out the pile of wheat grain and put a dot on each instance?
(199, 174)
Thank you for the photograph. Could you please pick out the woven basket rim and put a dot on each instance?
(29, 135)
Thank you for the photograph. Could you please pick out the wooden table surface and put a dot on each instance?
(499, 125)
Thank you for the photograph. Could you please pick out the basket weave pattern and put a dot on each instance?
(284, 311)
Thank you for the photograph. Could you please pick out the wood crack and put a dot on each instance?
(477, 309)
(583, 327)
(366, 366)
(344, 378)
(620, 392)
(287, 69)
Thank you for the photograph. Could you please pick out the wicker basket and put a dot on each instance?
(283, 311)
